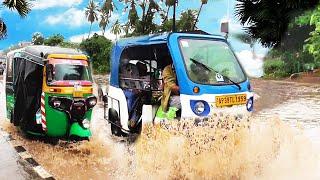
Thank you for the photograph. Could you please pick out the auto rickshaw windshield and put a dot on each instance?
(210, 62)
(70, 72)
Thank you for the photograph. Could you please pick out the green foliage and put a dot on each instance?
(23, 7)
(313, 43)
(116, 28)
(187, 20)
(37, 38)
(312, 18)
(3, 29)
(91, 13)
(99, 49)
(268, 20)
(54, 40)
(142, 15)
(274, 68)
(293, 62)
(67, 44)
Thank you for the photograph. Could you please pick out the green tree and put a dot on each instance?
(144, 23)
(54, 40)
(116, 28)
(99, 49)
(37, 38)
(187, 20)
(104, 21)
(91, 14)
(106, 12)
(313, 42)
(21, 6)
(3, 29)
(269, 20)
(169, 4)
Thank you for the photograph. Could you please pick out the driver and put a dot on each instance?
(171, 91)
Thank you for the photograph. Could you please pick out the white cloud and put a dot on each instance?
(80, 37)
(45, 4)
(73, 18)
(253, 67)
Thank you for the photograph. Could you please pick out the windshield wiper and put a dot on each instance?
(211, 69)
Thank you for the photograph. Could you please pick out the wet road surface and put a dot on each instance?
(282, 143)
(10, 168)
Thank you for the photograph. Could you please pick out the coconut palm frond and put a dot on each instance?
(23, 7)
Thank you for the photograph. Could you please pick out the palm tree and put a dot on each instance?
(21, 6)
(3, 29)
(91, 14)
(187, 20)
(116, 29)
(108, 7)
(203, 2)
(169, 4)
(104, 21)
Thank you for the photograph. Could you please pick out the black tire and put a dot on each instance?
(11, 116)
(115, 123)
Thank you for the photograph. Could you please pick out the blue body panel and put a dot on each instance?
(127, 42)
(186, 85)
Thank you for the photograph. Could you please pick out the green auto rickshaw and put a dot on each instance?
(49, 91)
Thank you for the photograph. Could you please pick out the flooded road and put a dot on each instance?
(282, 142)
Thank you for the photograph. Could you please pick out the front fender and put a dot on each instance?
(77, 130)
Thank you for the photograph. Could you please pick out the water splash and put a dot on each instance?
(222, 148)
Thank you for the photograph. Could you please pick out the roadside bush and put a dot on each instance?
(99, 49)
(275, 68)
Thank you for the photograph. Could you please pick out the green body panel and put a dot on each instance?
(77, 130)
(10, 105)
(57, 121)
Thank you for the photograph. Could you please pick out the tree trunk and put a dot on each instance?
(90, 30)
(195, 23)
(166, 18)
(174, 18)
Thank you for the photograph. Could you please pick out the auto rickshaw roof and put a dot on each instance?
(38, 54)
(160, 38)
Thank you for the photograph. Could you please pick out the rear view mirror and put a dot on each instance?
(49, 72)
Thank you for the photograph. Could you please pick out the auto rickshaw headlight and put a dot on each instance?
(56, 103)
(199, 107)
(86, 123)
(250, 104)
(91, 102)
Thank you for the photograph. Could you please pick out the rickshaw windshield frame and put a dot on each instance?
(245, 78)
(89, 74)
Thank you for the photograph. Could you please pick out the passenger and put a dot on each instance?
(171, 91)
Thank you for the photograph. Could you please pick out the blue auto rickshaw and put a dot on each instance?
(209, 75)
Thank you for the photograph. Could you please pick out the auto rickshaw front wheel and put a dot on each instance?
(115, 123)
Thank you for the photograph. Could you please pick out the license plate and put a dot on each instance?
(230, 100)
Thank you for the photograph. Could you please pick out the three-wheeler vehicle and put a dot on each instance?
(49, 91)
(208, 74)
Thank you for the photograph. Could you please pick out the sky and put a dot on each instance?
(67, 17)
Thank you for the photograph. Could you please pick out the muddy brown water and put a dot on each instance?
(282, 142)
